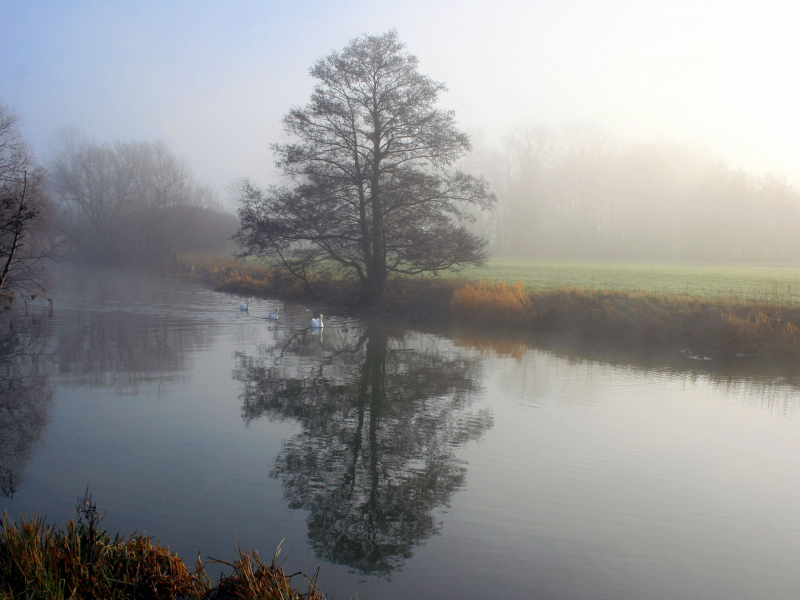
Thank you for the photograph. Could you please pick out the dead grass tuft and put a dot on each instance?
(252, 578)
(41, 561)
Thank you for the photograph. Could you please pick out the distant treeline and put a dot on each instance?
(133, 202)
(577, 194)
(572, 193)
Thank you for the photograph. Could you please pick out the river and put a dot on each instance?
(405, 463)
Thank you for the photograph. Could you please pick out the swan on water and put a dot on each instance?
(316, 322)
(244, 306)
(273, 316)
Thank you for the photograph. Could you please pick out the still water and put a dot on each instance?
(406, 464)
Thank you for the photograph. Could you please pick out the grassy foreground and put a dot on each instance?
(82, 561)
(759, 321)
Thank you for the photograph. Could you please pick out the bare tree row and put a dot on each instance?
(132, 202)
(575, 193)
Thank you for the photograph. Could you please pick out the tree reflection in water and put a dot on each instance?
(383, 416)
(118, 350)
(26, 397)
(126, 350)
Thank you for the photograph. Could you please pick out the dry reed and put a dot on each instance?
(252, 578)
(41, 561)
(492, 302)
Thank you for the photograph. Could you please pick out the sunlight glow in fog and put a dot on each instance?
(213, 81)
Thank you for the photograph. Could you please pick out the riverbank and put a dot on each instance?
(732, 325)
(417, 300)
(694, 325)
(41, 560)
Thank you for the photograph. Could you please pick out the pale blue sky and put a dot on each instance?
(213, 79)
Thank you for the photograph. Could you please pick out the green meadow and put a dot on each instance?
(779, 283)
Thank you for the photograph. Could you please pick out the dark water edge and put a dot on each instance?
(406, 463)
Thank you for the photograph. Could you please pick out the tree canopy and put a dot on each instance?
(373, 193)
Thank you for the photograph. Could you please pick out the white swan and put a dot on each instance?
(273, 316)
(316, 322)
(244, 306)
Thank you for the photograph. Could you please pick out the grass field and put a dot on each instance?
(762, 282)
(775, 283)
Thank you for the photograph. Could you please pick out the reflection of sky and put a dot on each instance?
(535, 377)
(632, 484)
(213, 79)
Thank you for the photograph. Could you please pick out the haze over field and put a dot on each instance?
(213, 80)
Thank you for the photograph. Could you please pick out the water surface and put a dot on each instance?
(405, 463)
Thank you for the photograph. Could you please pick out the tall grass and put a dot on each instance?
(38, 560)
(252, 578)
(236, 276)
(41, 561)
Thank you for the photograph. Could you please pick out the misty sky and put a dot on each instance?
(212, 80)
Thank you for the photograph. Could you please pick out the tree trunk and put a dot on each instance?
(377, 275)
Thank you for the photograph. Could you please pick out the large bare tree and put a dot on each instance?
(372, 193)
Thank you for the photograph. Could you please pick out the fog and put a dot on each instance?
(695, 102)
(132, 202)
(576, 192)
